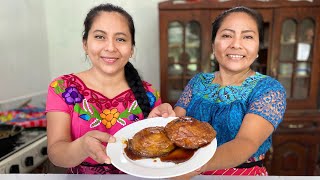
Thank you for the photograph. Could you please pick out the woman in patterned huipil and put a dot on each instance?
(243, 106)
(85, 109)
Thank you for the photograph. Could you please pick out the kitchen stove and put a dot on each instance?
(25, 152)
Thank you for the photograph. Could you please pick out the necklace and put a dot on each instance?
(236, 81)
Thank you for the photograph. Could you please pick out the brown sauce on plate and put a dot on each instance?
(178, 155)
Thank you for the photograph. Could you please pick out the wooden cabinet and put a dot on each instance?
(296, 146)
(295, 54)
(289, 54)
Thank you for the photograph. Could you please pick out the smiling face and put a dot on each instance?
(109, 45)
(236, 44)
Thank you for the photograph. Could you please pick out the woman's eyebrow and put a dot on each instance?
(99, 31)
(121, 33)
(118, 33)
(233, 31)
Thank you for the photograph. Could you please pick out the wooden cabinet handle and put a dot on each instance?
(295, 126)
(274, 72)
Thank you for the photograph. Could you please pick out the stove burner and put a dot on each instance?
(27, 137)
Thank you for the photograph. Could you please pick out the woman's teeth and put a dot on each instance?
(235, 56)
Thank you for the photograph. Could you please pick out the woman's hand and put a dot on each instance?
(163, 110)
(93, 147)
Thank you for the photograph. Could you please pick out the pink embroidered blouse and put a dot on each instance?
(90, 110)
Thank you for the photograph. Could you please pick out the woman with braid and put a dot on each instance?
(85, 109)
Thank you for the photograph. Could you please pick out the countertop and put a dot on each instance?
(128, 177)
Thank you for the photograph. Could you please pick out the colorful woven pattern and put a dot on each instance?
(27, 116)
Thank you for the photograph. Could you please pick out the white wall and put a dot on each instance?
(24, 63)
(41, 39)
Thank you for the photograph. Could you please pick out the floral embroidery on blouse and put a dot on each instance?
(109, 117)
(74, 95)
(152, 99)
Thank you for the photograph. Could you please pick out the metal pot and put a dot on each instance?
(8, 134)
(9, 131)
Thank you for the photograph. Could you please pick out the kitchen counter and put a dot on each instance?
(128, 177)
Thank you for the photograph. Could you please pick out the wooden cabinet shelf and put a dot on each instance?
(290, 54)
(182, 63)
(179, 77)
(290, 76)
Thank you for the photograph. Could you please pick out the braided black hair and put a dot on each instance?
(131, 74)
(136, 85)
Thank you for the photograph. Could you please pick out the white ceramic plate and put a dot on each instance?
(153, 167)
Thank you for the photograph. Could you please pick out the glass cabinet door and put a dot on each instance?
(296, 64)
(184, 53)
(295, 57)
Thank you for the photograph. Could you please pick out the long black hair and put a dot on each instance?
(131, 74)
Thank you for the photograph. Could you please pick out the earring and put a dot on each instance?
(86, 57)
(212, 56)
(133, 55)
(132, 59)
